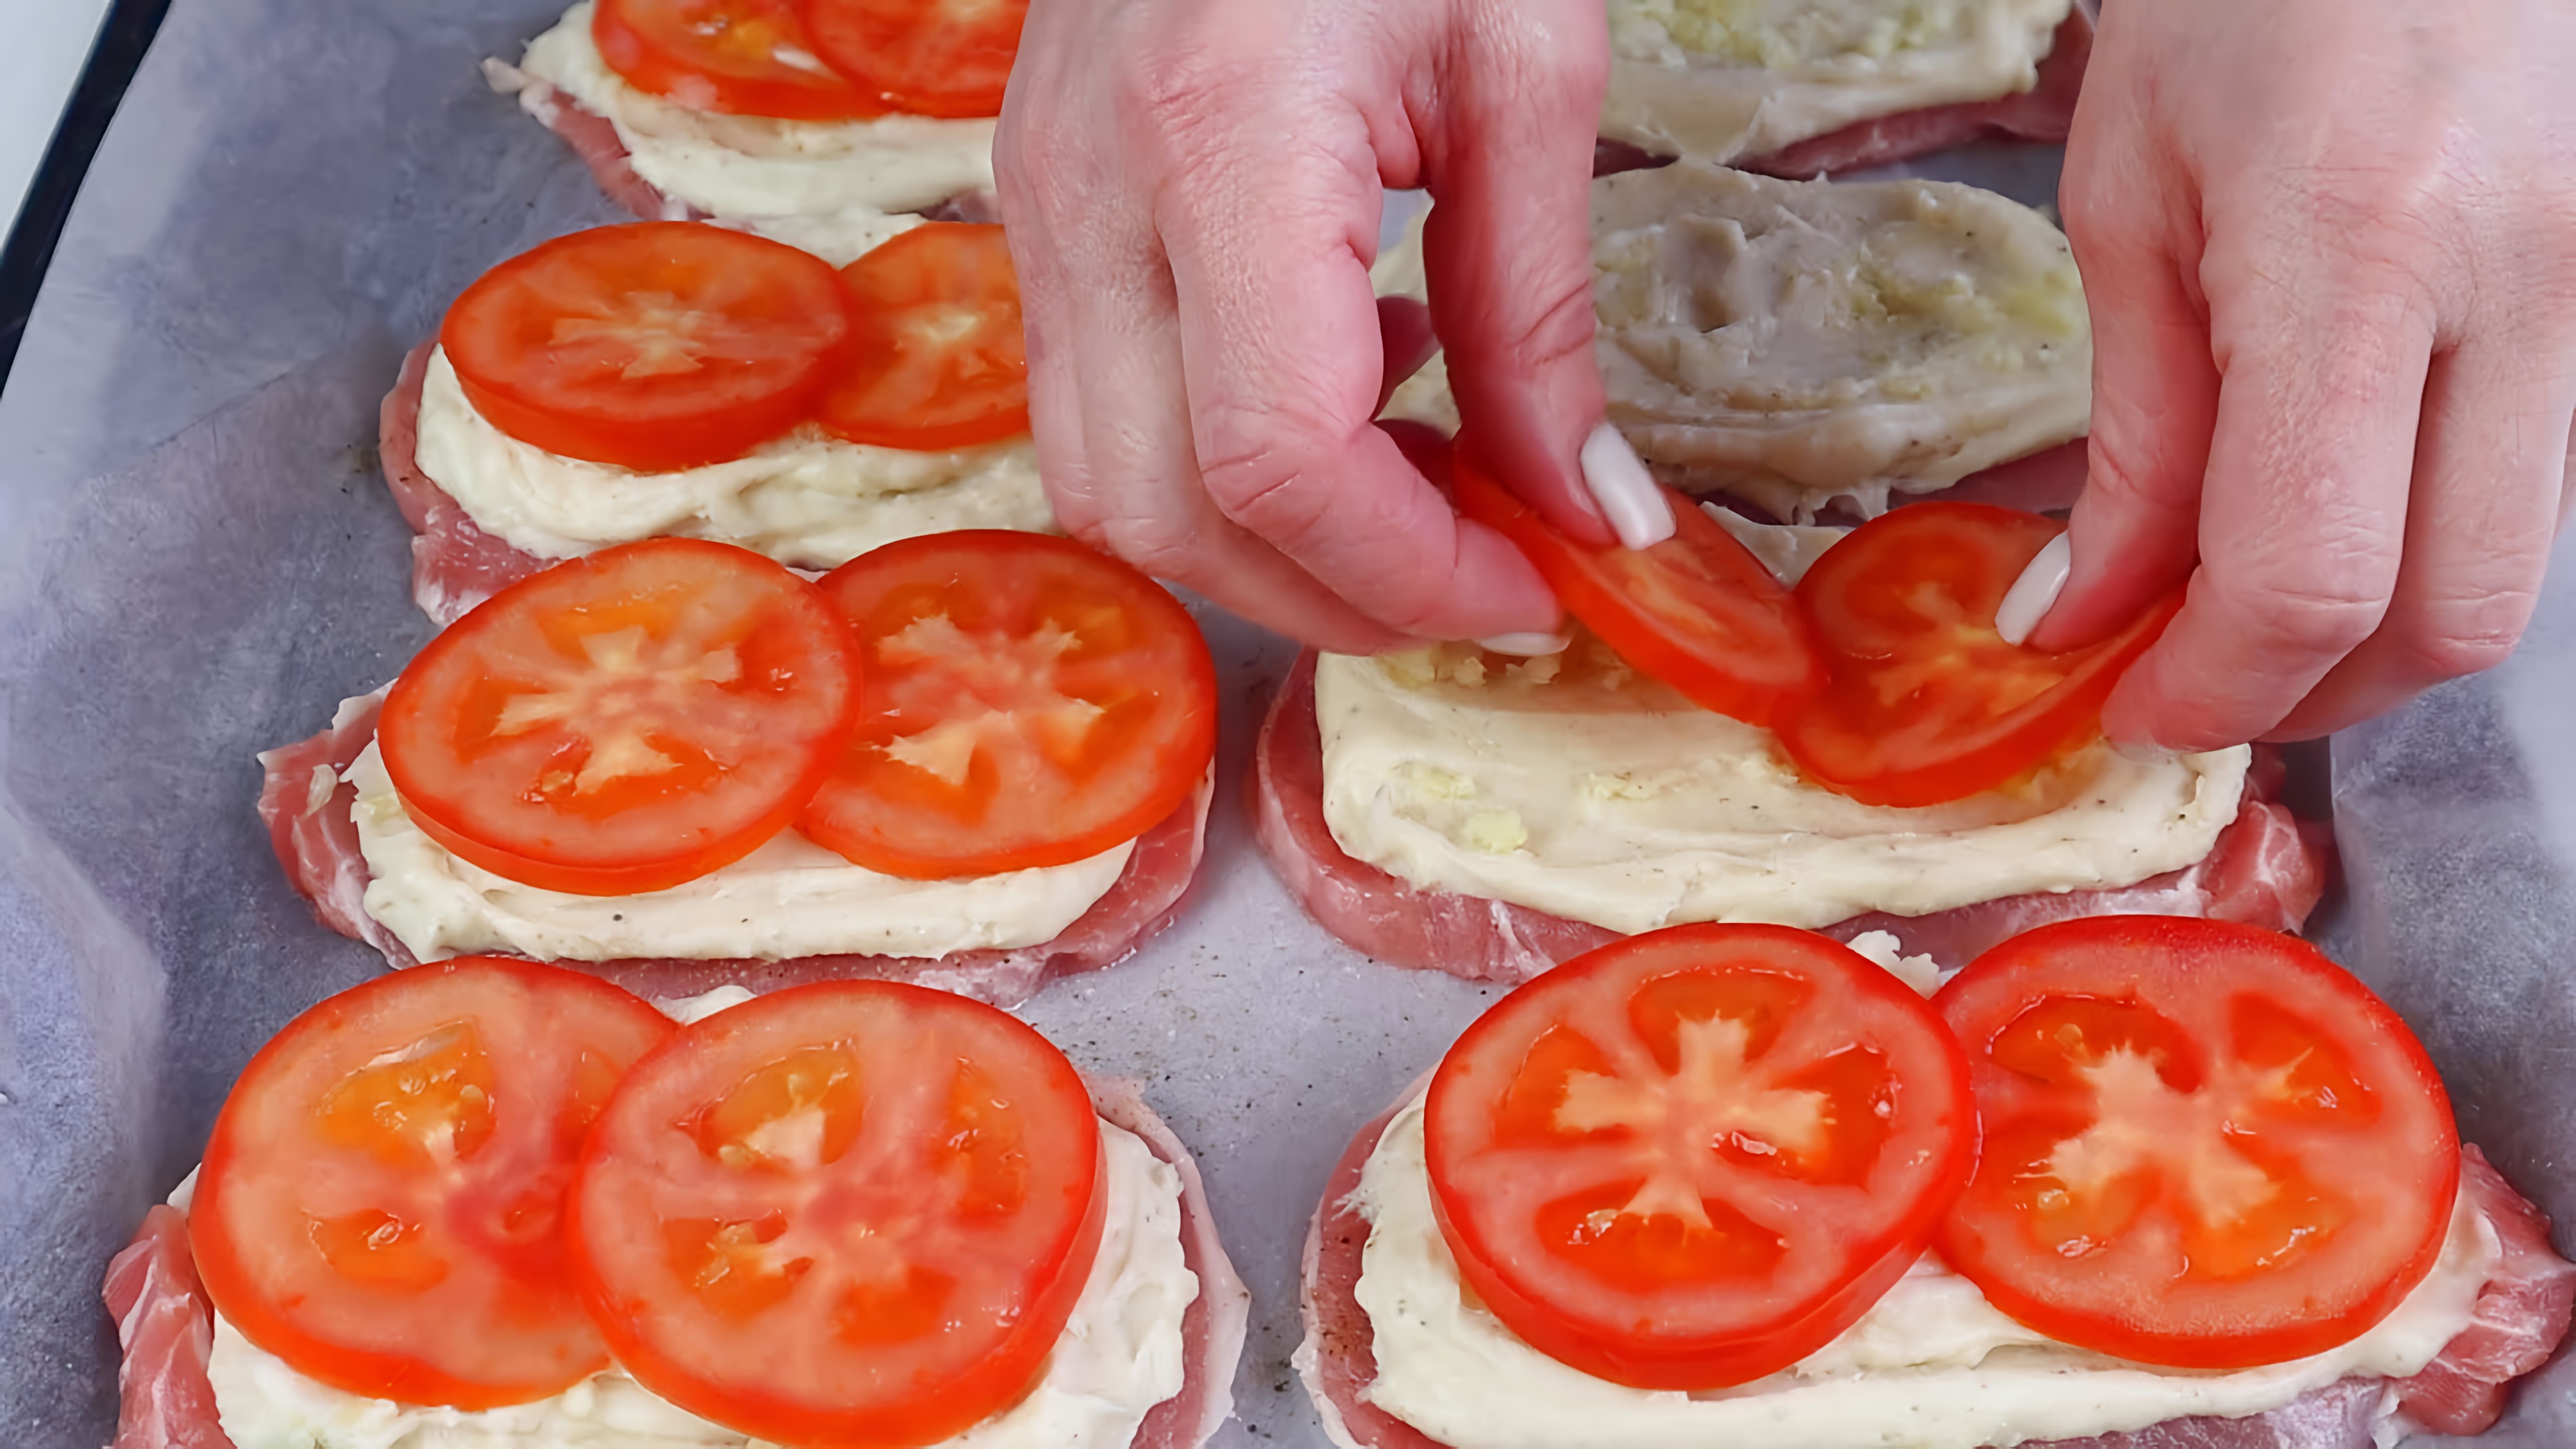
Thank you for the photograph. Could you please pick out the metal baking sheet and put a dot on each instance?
(197, 559)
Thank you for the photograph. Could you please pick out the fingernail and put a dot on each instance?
(1527, 642)
(1637, 509)
(2035, 592)
(2140, 752)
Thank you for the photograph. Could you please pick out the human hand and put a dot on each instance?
(2330, 250)
(1192, 190)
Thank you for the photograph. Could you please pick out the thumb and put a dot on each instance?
(1508, 161)
(2134, 532)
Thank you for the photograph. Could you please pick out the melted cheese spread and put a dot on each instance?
(1795, 342)
(1718, 79)
(1119, 1356)
(1575, 786)
(808, 500)
(748, 169)
(789, 898)
(1931, 1366)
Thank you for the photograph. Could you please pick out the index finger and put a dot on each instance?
(1281, 352)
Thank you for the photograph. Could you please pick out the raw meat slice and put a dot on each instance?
(166, 1328)
(593, 137)
(305, 805)
(2042, 113)
(166, 1332)
(2522, 1315)
(1212, 1331)
(308, 824)
(1469, 936)
(2268, 869)
(455, 565)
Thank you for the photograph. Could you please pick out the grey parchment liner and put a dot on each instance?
(197, 560)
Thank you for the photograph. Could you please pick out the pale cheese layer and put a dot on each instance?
(1575, 786)
(1795, 342)
(1931, 1366)
(1718, 79)
(1119, 1356)
(748, 169)
(789, 898)
(807, 499)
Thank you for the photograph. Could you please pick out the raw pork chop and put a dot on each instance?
(305, 805)
(2268, 869)
(2522, 1314)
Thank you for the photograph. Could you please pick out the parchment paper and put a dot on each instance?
(197, 561)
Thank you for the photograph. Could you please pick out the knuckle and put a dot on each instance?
(2462, 636)
(2321, 613)
(1179, 93)
(1152, 546)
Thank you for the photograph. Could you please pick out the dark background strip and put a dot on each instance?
(30, 249)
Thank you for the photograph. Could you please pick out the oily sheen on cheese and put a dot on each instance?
(1575, 786)
(789, 898)
(1932, 1366)
(808, 500)
(1717, 79)
(746, 168)
(1121, 1354)
(1795, 342)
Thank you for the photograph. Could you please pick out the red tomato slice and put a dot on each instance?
(657, 345)
(2206, 1145)
(924, 57)
(1697, 611)
(1027, 702)
(744, 57)
(937, 359)
(849, 1213)
(381, 1202)
(625, 721)
(1928, 703)
(1693, 1157)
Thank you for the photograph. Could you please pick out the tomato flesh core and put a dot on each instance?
(852, 1213)
(625, 721)
(1697, 611)
(1927, 702)
(744, 57)
(2207, 1146)
(381, 1201)
(656, 345)
(937, 359)
(924, 57)
(1027, 702)
(1693, 1157)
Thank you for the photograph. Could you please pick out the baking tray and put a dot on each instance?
(198, 560)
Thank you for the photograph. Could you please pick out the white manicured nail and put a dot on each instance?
(1528, 642)
(2035, 592)
(1637, 509)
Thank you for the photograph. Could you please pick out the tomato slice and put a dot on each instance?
(923, 57)
(2206, 1145)
(744, 57)
(625, 721)
(1697, 611)
(1027, 702)
(1928, 703)
(855, 1212)
(381, 1201)
(937, 359)
(1692, 1157)
(657, 345)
